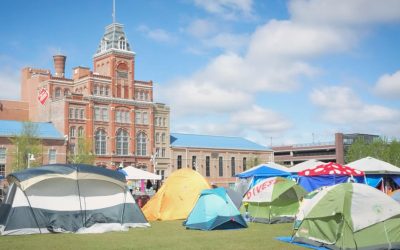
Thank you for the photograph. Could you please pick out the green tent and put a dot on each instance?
(350, 216)
(274, 200)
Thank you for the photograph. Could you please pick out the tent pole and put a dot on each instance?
(80, 201)
(33, 213)
(123, 209)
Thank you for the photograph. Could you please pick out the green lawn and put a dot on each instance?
(161, 235)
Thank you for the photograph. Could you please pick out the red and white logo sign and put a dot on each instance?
(43, 95)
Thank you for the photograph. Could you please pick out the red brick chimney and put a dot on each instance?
(59, 65)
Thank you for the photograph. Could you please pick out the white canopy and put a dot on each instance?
(305, 165)
(371, 165)
(133, 173)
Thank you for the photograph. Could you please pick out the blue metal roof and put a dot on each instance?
(212, 141)
(45, 130)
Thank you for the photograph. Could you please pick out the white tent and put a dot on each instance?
(371, 165)
(305, 165)
(132, 173)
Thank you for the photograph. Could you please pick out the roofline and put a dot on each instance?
(227, 136)
(217, 148)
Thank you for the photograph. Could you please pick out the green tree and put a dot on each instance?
(253, 161)
(380, 149)
(26, 142)
(83, 153)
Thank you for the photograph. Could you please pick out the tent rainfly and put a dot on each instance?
(68, 198)
(273, 200)
(215, 210)
(177, 196)
(350, 216)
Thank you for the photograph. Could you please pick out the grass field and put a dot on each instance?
(161, 235)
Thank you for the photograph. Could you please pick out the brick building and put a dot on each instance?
(106, 105)
(52, 145)
(217, 158)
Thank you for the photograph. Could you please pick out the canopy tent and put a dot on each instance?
(305, 165)
(214, 210)
(350, 216)
(177, 196)
(273, 200)
(252, 176)
(68, 198)
(327, 175)
(132, 173)
(370, 165)
(375, 170)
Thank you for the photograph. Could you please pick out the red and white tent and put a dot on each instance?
(331, 168)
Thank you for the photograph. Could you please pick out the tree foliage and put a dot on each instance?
(381, 149)
(253, 161)
(27, 142)
(83, 152)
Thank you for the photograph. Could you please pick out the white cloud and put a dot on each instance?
(158, 35)
(277, 57)
(190, 97)
(229, 9)
(389, 85)
(228, 41)
(342, 12)
(10, 84)
(264, 121)
(340, 105)
(202, 28)
(290, 40)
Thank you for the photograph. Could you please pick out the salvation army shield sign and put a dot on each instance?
(43, 95)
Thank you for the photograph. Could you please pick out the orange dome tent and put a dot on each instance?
(177, 196)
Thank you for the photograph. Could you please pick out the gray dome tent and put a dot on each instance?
(68, 198)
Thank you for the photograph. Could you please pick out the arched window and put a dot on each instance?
(66, 92)
(100, 142)
(57, 93)
(122, 142)
(122, 43)
(141, 144)
(80, 131)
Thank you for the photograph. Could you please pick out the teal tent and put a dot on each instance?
(215, 210)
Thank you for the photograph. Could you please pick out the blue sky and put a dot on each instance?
(271, 71)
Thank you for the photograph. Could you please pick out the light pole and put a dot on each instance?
(31, 157)
(153, 159)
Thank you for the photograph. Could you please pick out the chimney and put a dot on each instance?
(59, 65)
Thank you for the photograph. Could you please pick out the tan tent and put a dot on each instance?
(177, 196)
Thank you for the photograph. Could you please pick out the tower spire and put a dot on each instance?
(113, 12)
